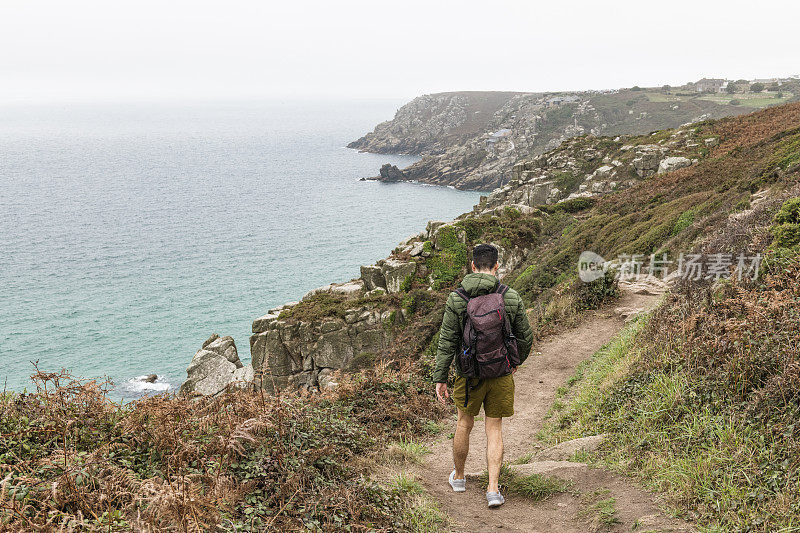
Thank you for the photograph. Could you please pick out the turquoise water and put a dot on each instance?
(130, 233)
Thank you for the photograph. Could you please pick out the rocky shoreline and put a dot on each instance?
(345, 326)
(473, 140)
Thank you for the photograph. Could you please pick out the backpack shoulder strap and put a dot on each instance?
(461, 292)
(501, 289)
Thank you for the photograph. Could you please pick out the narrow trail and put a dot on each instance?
(536, 384)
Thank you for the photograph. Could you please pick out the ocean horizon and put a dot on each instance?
(132, 232)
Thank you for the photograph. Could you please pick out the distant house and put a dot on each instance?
(565, 99)
(495, 137)
(710, 85)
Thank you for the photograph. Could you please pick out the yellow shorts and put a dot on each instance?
(496, 395)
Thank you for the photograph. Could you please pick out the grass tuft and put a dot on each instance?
(407, 485)
(534, 486)
(601, 511)
(408, 451)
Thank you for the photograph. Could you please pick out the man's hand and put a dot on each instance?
(441, 392)
(514, 370)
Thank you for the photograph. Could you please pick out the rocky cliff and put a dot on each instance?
(589, 166)
(344, 326)
(624, 194)
(215, 367)
(472, 140)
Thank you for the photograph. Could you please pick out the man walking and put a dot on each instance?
(486, 330)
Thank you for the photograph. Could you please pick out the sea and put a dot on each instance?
(130, 232)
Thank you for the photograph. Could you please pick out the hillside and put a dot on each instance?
(471, 140)
(700, 401)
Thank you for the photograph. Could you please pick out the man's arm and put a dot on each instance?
(449, 341)
(522, 330)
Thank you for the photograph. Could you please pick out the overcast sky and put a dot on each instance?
(122, 49)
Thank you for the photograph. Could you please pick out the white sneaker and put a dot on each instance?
(495, 499)
(459, 485)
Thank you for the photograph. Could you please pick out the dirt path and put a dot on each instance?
(536, 384)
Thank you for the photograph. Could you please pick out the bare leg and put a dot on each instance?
(461, 442)
(494, 451)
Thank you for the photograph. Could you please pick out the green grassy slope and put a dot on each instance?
(701, 399)
(672, 212)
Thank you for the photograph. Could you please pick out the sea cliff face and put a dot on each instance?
(345, 326)
(472, 140)
(637, 194)
(303, 353)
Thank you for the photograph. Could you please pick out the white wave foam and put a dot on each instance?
(140, 385)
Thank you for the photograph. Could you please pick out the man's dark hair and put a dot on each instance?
(484, 256)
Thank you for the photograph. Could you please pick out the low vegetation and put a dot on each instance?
(534, 486)
(71, 459)
(600, 509)
(701, 399)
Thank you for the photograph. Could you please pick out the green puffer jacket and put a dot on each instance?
(455, 313)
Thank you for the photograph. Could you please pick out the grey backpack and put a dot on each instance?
(488, 346)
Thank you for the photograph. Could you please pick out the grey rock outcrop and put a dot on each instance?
(388, 274)
(432, 226)
(390, 173)
(350, 289)
(215, 367)
(373, 277)
(669, 164)
(299, 354)
(647, 158)
(395, 273)
(587, 167)
(327, 379)
(509, 258)
(471, 140)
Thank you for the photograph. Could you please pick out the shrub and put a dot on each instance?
(242, 461)
(419, 301)
(787, 224)
(407, 283)
(789, 212)
(449, 263)
(741, 205)
(684, 221)
(323, 304)
(757, 87)
(592, 295)
(171, 462)
(786, 235)
(574, 205)
(735, 101)
(427, 247)
(567, 182)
